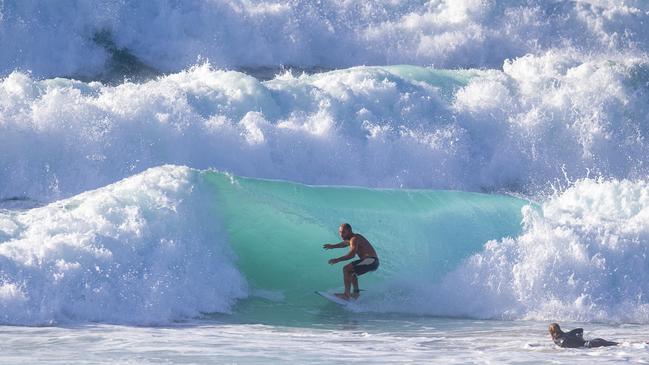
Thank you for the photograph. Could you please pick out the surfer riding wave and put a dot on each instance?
(368, 259)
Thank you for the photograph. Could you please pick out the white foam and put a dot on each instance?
(583, 257)
(56, 40)
(376, 340)
(145, 250)
(520, 129)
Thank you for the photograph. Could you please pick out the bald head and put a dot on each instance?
(345, 231)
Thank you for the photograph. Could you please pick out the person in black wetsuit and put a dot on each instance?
(575, 338)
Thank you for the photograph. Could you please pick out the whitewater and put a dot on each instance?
(169, 172)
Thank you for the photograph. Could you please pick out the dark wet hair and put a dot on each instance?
(346, 226)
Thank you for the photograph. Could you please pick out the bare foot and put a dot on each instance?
(356, 295)
(342, 296)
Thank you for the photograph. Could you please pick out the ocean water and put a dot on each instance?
(170, 170)
(366, 339)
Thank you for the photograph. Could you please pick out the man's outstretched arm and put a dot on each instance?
(329, 246)
(350, 254)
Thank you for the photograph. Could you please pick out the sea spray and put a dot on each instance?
(516, 130)
(582, 257)
(90, 39)
(145, 250)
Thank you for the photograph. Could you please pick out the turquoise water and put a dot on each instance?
(277, 230)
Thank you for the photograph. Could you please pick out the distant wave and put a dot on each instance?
(90, 39)
(542, 121)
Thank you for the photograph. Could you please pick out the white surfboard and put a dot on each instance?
(340, 301)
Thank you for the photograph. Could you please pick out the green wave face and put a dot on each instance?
(278, 228)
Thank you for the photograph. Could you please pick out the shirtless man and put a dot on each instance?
(358, 245)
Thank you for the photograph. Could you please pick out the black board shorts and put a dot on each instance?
(365, 265)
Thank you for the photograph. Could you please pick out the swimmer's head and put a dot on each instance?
(554, 330)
